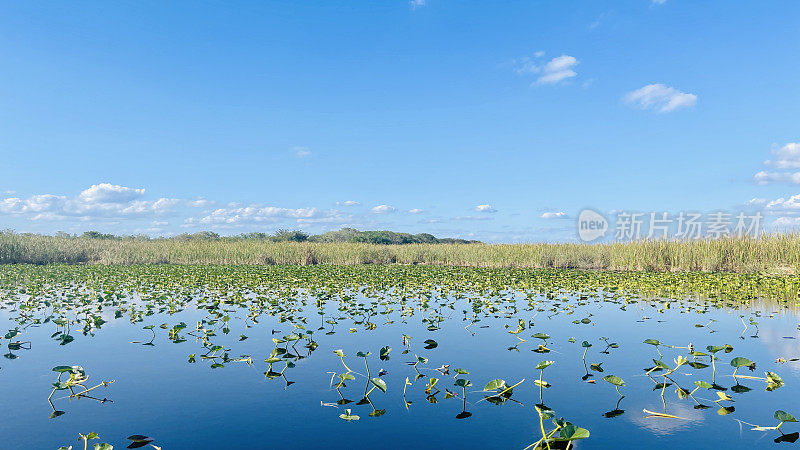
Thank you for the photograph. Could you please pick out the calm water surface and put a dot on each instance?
(182, 405)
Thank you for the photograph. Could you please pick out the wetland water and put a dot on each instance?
(187, 348)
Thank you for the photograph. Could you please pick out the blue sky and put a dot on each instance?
(468, 119)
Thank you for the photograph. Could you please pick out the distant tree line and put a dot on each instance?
(343, 235)
(384, 237)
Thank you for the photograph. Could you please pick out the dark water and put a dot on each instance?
(183, 405)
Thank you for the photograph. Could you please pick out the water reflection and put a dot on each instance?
(688, 417)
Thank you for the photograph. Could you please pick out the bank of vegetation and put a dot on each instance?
(775, 253)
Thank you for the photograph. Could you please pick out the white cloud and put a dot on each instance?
(787, 210)
(558, 69)
(554, 215)
(102, 200)
(786, 157)
(755, 201)
(660, 97)
(11, 205)
(200, 203)
(787, 222)
(44, 203)
(110, 193)
(776, 177)
(160, 206)
(328, 217)
(256, 213)
(301, 152)
(383, 209)
(417, 3)
(415, 211)
(464, 218)
(782, 204)
(554, 71)
(348, 203)
(485, 209)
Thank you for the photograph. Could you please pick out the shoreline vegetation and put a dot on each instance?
(774, 254)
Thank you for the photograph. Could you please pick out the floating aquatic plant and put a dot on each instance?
(348, 415)
(740, 362)
(655, 343)
(86, 438)
(76, 378)
(782, 417)
(563, 433)
(616, 382)
(499, 391)
(540, 367)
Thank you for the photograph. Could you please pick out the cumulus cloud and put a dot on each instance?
(554, 215)
(783, 204)
(383, 209)
(786, 157)
(102, 200)
(110, 193)
(554, 71)
(10, 205)
(160, 206)
(755, 201)
(236, 215)
(485, 209)
(301, 152)
(348, 203)
(786, 210)
(660, 97)
(254, 214)
(787, 222)
(764, 177)
(415, 211)
(558, 69)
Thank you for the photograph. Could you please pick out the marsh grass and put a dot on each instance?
(774, 254)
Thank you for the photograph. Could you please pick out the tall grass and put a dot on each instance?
(777, 252)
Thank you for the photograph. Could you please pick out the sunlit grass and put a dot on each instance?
(776, 253)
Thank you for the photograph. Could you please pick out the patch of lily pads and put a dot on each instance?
(314, 305)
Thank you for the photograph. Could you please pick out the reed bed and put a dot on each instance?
(775, 253)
